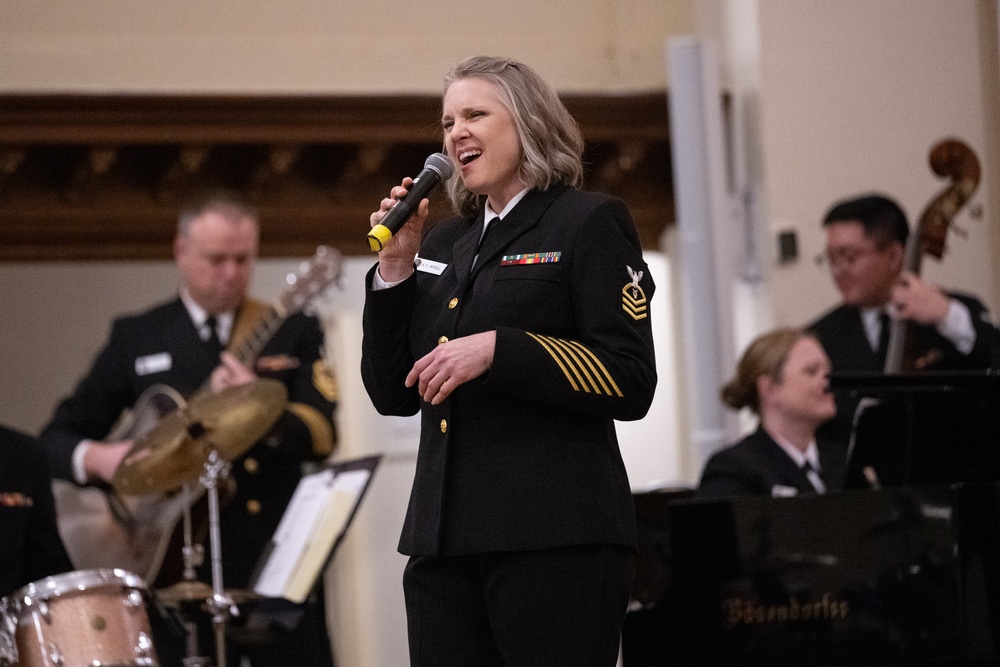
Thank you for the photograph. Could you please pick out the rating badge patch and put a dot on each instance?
(633, 298)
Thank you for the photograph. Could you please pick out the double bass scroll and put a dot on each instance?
(950, 158)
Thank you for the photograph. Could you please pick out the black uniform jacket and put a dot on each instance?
(30, 548)
(757, 464)
(842, 335)
(524, 457)
(162, 346)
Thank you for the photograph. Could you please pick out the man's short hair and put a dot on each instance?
(228, 203)
(881, 217)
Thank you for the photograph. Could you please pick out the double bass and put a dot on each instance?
(927, 427)
(949, 158)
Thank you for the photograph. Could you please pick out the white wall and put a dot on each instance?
(854, 94)
(326, 46)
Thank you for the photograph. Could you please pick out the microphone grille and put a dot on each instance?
(440, 163)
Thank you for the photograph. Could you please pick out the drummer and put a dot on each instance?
(180, 343)
(30, 548)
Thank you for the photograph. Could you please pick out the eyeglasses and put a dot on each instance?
(846, 257)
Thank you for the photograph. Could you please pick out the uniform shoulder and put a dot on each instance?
(586, 199)
(596, 208)
(742, 449)
(155, 313)
(831, 318)
(20, 450)
(13, 438)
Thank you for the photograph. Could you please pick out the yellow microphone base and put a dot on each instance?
(378, 237)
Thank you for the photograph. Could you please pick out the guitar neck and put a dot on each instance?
(249, 349)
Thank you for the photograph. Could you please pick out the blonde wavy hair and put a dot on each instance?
(551, 143)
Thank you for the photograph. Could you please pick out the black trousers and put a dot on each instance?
(562, 606)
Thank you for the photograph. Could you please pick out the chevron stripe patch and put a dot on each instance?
(634, 302)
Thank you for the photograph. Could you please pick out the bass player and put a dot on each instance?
(865, 241)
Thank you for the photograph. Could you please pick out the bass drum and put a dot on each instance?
(88, 617)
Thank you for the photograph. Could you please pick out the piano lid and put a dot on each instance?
(898, 576)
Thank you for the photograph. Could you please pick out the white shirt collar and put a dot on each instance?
(489, 213)
(198, 315)
(872, 324)
(810, 455)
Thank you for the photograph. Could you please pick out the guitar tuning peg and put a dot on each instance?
(960, 232)
(291, 278)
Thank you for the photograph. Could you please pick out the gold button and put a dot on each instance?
(444, 425)
(253, 506)
(250, 465)
(442, 339)
(453, 303)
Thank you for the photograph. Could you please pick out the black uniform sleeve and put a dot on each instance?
(305, 430)
(986, 350)
(386, 356)
(605, 366)
(92, 409)
(45, 553)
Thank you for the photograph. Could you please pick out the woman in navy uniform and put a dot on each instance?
(783, 378)
(519, 333)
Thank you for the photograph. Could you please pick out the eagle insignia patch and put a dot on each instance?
(633, 298)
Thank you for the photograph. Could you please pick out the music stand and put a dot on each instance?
(932, 427)
(314, 524)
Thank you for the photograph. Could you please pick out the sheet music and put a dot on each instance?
(316, 516)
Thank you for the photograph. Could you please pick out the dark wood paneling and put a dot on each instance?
(100, 177)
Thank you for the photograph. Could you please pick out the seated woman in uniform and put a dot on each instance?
(782, 378)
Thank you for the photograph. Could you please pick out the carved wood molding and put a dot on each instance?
(100, 177)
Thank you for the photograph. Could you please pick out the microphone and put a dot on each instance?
(437, 168)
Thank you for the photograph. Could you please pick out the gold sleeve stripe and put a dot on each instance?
(320, 429)
(555, 356)
(600, 370)
(579, 363)
(576, 360)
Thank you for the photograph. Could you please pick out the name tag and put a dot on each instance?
(782, 491)
(153, 363)
(429, 266)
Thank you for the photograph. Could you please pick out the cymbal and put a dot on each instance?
(198, 591)
(174, 451)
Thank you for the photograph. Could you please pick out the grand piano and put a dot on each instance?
(902, 570)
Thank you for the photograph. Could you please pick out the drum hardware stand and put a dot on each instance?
(220, 605)
(174, 451)
(194, 556)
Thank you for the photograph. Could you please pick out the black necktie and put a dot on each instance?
(883, 334)
(213, 333)
(814, 477)
(490, 224)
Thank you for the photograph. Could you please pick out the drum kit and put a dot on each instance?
(98, 617)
